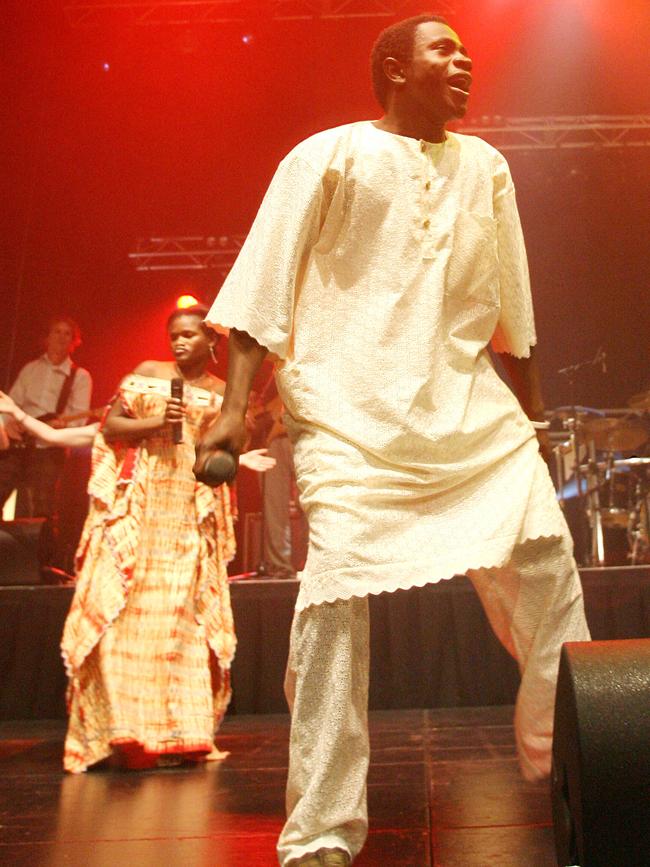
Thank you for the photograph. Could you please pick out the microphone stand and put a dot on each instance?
(262, 571)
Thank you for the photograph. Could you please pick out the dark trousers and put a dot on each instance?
(35, 473)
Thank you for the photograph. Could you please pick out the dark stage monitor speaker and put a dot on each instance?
(25, 547)
(601, 755)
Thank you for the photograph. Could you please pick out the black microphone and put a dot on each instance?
(217, 468)
(176, 386)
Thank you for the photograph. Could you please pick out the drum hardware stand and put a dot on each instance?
(558, 451)
(262, 569)
(593, 509)
(587, 489)
(634, 527)
(638, 531)
(572, 424)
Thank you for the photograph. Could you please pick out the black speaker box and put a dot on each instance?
(601, 755)
(25, 547)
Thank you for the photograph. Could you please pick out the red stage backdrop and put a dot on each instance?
(114, 133)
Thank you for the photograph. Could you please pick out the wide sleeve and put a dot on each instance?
(515, 330)
(259, 294)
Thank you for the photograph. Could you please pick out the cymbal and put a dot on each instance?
(619, 464)
(581, 412)
(616, 434)
(640, 400)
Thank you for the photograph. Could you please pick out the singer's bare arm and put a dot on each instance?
(119, 425)
(245, 356)
(525, 381)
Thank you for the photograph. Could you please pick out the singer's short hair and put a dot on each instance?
(395, 41)
(198, 310)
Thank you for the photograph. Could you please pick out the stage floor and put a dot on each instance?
(444, 789)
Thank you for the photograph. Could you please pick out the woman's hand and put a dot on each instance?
(175, 410)
(257, 460)
(7, 405)
(12, 428)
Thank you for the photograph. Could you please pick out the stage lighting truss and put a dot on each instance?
(82, 13)
(187, 253)
(198, 252)
(547, 133)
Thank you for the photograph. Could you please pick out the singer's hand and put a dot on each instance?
(228, 432)
(174, 411)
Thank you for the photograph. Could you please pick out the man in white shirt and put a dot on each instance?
(51, 387)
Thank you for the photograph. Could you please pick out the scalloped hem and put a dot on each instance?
(226, 322)
(343, 584)
(503, 348)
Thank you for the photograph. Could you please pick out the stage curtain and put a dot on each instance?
(431, 647)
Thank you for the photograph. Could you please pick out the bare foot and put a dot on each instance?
(215, 755)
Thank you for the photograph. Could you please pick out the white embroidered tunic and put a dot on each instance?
(378, 270)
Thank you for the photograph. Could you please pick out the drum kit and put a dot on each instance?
(603, 460)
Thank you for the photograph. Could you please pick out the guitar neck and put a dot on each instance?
(93, 413)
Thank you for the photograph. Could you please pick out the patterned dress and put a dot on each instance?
(149, 639)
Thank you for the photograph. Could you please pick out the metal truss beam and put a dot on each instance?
(555, 133)
(93, 13)
(187, 253)
(197, 252)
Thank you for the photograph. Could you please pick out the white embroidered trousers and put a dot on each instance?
(534, 605)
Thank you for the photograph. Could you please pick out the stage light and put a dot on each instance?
(106, 66)
(184, 301)
(247, 38)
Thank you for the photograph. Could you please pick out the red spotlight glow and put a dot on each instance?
(184, 301)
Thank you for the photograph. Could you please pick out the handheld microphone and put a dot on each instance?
(176, 390)
(217, 468)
